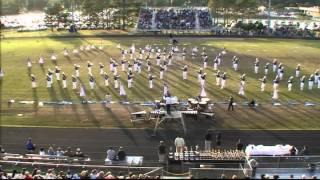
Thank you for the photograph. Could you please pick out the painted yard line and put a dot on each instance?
(57, 127)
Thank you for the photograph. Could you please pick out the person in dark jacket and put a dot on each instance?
(121, 154)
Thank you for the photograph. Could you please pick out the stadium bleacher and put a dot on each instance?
(155, 19)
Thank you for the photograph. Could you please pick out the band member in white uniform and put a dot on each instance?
(311, 82)
(279, 68)
(135, 65)
(33, 81)
(266, 68)
(129, 66)
(215, 64)
(203, 79)
(88, 48)
(276, 82)
(158, 59)
(150, 81)
(223, 80)
(115, 68)
(50, 73)
(41, 61)
(274, 65)
(122, 91)
(161, 72)
(185, 72)
(298, 70)
(165, 63)
(139, 66)
(101, 66)
(290, 81)
(243, 79)
(165, 90)
(53, 57)
(318, 82)
(218, 78)
(91, 82)
(57, 71)
(111, 64)
(74, 82)
(75, 52)
(82, 91)
(106, 79)
(65, 52)
(116, 81)
(81, 48)
(241, 89)
(64, 80)
(316, 76)
(263, 83)
(184, 52)
(130, 79)
(281, 74)
(123, 65)
(170, 59)
(149, 65)
(76, 68)
(89, 68)
(49, 83)
(235, 64)
(256, 66)
(205, 61)
(302, 80)
(200, 72)
(29, 63)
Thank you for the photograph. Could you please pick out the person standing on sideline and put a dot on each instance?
(230, 106)
(239, 145)
(162, 152)
(180, 144)
(218, 140)
(207, 141)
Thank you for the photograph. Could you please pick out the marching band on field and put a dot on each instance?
(133, 62)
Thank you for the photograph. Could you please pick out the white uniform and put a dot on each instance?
(184, 75)
(241, 89)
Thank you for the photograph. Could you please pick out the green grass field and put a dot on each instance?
(17, 85)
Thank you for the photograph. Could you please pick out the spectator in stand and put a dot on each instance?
(111, 154)
(2, 150)
(51, 151)
(162, 152)
(30, 146)
(79, 153)
(239, 145)
(180, 144)
(207, 141)
(69, 152)
(42, 152)
(121, 154)
(94, 174)
(59, 152)
(305, 151)
(293, 151)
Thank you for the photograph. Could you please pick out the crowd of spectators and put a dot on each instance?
(205, 19)
(145, 19)
(174, 18)
(84, 174)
